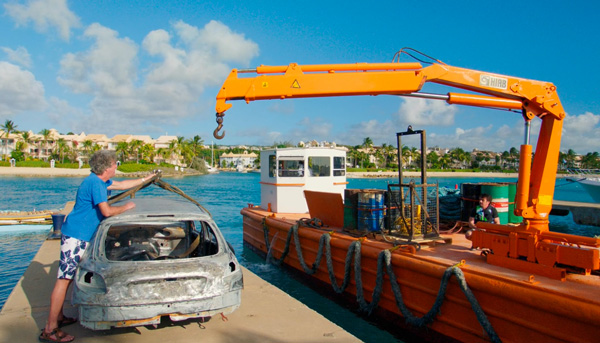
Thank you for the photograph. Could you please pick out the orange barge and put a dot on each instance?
(508, 283)
(442, 289)
(519, 306)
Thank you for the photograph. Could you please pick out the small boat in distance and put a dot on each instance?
(240, 168)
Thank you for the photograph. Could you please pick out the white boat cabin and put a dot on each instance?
(286, 173)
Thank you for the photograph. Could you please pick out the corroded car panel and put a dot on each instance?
(163, 258)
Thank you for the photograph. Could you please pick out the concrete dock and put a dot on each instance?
(584, 213)
(266, 315)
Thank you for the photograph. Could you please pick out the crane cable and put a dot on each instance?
(155, 179)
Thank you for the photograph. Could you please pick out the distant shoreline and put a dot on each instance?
(65, 172)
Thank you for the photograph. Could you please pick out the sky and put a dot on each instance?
(150, 67)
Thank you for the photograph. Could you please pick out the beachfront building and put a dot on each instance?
(231, 160)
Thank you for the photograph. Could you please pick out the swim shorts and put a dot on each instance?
(71, 251)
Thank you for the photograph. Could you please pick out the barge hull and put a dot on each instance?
(520, 307)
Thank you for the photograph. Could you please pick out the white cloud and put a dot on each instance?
(581, 133)
(422, 112)
(107, 69)
(184, 63)
(45, 14)
(20, 56)
(19, 90)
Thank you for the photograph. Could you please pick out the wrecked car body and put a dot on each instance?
(163, 258)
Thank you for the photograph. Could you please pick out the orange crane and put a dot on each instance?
(529, 246)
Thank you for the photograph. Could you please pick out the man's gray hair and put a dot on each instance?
(102, 160)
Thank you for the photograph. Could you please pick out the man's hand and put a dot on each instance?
(109, 211)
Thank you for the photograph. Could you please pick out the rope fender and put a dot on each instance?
(384, 264)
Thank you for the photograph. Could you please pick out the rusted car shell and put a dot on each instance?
(114, 293)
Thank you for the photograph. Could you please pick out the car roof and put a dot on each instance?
(160, 206)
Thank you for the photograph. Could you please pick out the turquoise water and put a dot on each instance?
(223, 195)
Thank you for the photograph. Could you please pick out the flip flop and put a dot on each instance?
(66, 321)
(59, 336)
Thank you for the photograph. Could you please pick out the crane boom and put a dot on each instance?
(533, 98)
(528, 247)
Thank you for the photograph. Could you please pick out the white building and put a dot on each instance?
(230, 159)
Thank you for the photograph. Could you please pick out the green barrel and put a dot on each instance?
(350, 208)
(499, 194)
(470, 199)
(512, 195)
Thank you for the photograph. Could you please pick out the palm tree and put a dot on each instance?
(121, 150)
(433, 159)
(62, 149)
(87, 146)
(134, 147)
(514, 156)
(445, 161)
(8, 127)
(46, 135)
(148, 152)
(590, 160)
(570, 157)
(388, 154)
(26, 136)
(353, 154)
(196, 144)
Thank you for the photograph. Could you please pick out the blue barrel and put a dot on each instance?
(371, 210)
(57, 222)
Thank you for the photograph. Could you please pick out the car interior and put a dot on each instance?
(160, 241)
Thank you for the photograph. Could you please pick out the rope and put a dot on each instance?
(155, 179)
(383, 265)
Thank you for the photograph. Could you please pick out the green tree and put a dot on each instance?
(122, 151)
(196, 144)
(147, 151)
(134, 149)
(433, 160)
(570, 157)
(45, 138)
(88, 147)
(26, 136)
(8, 127)
(61, 144)
(590, 160)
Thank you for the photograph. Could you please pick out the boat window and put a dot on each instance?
(291, 168)
(319, 166)
(159, 241)
(339, 166)
(272, 165)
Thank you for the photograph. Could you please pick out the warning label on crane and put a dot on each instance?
(295, 84)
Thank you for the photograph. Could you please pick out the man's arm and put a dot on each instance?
(496, 216)
(472, 223)
(126, 184)
(109, 211)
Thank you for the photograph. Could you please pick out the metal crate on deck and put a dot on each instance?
(413, 211)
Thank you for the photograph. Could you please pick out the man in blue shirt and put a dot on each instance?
(90, 208)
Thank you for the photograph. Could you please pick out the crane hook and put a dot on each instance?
(220, 126)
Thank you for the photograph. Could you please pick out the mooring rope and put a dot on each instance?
(384, 265)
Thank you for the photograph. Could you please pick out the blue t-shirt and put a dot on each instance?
(83, 221)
